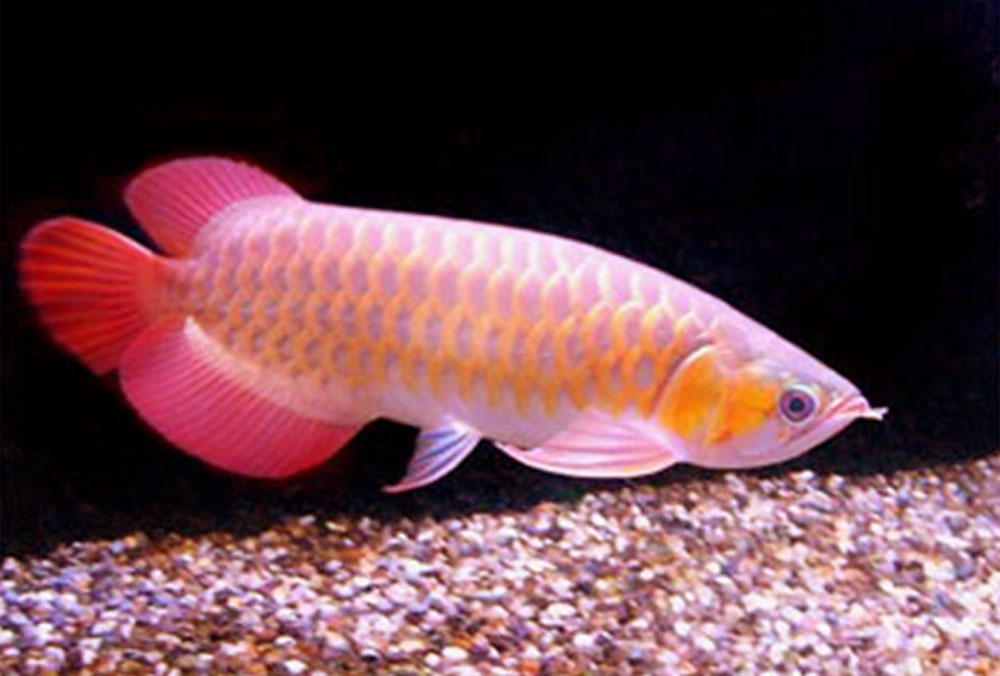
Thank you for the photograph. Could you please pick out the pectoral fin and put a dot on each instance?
(438, 452)
(597, 445)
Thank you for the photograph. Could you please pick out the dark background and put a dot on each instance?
(830, 171)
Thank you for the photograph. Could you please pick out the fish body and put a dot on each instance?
(363, 314)
(277, 327)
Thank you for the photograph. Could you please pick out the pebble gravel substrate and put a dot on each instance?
(724, 574)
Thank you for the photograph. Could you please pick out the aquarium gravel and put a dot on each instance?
(781, 573)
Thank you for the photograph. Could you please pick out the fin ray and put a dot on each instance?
(438, 452)
(596, 445)
(175, 200)
(194, 399)
(93, 287)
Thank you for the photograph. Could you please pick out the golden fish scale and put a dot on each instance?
(457, 311)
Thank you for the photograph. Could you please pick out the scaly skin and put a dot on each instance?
(374, 300)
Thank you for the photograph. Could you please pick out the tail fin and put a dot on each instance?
(91, 286)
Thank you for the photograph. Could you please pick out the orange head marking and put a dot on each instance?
(726, 411)
(748, 401)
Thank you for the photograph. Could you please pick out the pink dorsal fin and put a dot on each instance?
(173, 201)
(209, 404)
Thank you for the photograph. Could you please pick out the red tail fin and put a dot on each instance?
(91, 286)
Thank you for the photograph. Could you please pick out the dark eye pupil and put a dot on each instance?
(796, 405)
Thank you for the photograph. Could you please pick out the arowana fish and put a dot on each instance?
(275, 328)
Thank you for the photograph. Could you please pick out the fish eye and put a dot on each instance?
(797, 404)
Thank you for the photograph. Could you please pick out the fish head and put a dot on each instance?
(759, 401)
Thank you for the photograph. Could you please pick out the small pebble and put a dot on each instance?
(464, 670)
(295, 667)
(454, 654)
(370, 655)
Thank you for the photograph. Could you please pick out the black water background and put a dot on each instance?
(830, 171)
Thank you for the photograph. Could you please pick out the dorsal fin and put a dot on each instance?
(173, 201)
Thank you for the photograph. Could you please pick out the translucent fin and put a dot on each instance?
(596, 445)
(199, 399)
(438, 452)
(174, 201)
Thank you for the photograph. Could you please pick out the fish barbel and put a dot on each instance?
(274, 328)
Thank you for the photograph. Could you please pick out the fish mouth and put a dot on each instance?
(856, 406)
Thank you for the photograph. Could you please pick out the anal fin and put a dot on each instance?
(597, 445)
(200, 400)
(438, 452)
